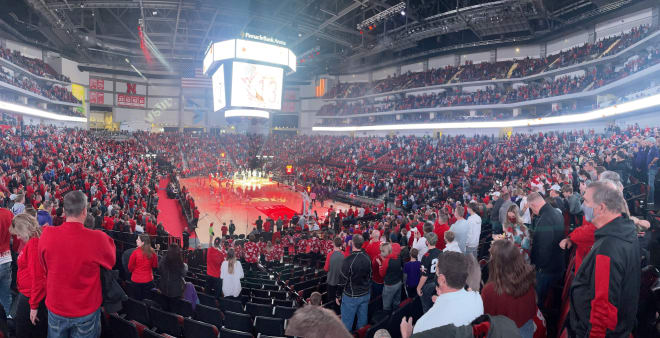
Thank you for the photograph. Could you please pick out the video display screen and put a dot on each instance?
(218, 80)
(256, 86)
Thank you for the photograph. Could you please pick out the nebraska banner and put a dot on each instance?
(135, 101)
(97, 84)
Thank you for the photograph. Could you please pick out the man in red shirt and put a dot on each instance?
(214, 258)
(439, 229)
(73, 257)
(224, 229)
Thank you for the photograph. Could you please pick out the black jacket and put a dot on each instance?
(355, 278)
(605, 291)
(549, 231)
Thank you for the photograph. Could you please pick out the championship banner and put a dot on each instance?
(78, 92)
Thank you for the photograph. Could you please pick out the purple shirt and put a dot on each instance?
(413, 272)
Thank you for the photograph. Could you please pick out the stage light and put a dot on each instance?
(647, 102)
(403, 12)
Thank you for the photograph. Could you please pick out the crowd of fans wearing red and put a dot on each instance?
(427, 177)
(33, 65)
(493, 70)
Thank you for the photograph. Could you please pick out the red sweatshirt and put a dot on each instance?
(214, 259)
(31, 277)
(583, 237)
(141, 266)
(72, 257)
(5, 222)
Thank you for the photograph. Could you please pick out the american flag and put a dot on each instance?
(195, 78)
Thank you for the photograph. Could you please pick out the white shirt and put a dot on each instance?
(452, 246)
(458, 308)
(420, 245)
(231, 283)
(460, 229)
(526, 217)
(474, 231)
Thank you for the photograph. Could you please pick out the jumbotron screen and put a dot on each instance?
(256, 86)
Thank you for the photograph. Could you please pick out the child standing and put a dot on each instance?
(413, 271)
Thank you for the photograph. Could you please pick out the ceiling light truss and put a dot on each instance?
(382, 16)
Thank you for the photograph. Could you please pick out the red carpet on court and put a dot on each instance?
(275, 211)
(169, 211)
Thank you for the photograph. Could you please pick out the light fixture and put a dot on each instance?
(619, 109)
(247, 113)
(403, 12)
(154, 13)
(17, 108)
(300, 35)
(398, 8)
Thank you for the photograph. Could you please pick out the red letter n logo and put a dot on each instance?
(130, 88)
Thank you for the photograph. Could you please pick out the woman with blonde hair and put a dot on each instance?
(141, 264)
(510, 288)
(31, 314)
(516, 231)
(231, 273)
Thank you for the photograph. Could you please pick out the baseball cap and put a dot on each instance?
(556, 187)
(496, 193)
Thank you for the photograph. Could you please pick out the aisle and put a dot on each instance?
(169, 211)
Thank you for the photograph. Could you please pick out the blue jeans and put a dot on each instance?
(651, 197)
(5, 285)
(391, 296)
(352, 305)
(80, 327)
(527, 330)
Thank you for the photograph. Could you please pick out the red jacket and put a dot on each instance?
(583, 237)
(141, 266)
(5, 222)
(72, 257)
(214, 259)
(31, 277)
(440, 230)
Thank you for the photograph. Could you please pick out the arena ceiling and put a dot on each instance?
(324, 32)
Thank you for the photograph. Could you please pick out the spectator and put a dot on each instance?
(450, 242)
(333, 264)
(141, 265)
(316, 299)
(412, 272)
(19, 206)
(316, 322)
(506, 204)
(390, 270)
(474, 229)
(573, 201)
(231, 273)
(426, 286)
(73, 272)
(605, 292)
(43, 214)
(172, 271)
(510, 287)
(31, 317)
(516, 231)
(652, 163)
(495, 213)
(453, 305)
(460, 228)
(549, 230)
(214, 258)
(354, 285)
(6, 217)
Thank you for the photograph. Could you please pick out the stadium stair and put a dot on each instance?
(610, 48)
(551, 65)
(456, 75)
(513, 67)
(591, 85)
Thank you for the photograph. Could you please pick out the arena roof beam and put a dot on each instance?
(327, 22)
(176, 25)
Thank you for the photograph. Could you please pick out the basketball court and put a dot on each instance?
(243, 201)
